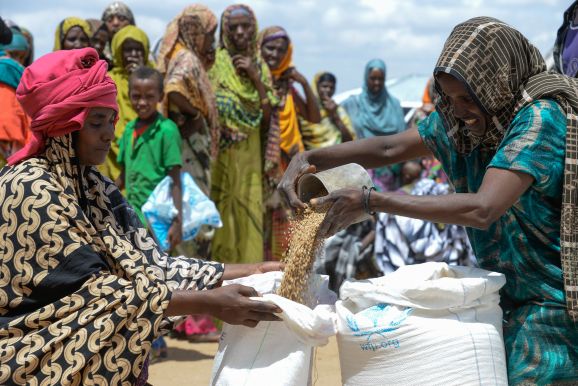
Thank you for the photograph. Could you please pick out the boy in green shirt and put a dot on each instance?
(150, 148)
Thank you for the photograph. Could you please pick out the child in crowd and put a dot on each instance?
(149, 150)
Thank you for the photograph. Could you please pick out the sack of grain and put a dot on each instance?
(425, 324)
(276, 353)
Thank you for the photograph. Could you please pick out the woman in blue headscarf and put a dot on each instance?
(14, 124)
(375, 112)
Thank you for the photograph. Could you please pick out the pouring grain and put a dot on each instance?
(304, 246)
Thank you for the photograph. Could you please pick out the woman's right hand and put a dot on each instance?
(329, 105)
(288, 185)
(244, 65)
(232, 304)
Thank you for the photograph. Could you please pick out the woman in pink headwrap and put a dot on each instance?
(84, 289)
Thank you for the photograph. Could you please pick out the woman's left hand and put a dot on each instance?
(346, 208)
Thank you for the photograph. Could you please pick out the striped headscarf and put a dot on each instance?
(274, 33)
(503, 72)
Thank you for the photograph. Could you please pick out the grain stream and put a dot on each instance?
(304, 245)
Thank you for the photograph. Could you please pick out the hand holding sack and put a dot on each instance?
(276, 353)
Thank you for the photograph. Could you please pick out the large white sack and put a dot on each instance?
(425, 324)
(276, 353)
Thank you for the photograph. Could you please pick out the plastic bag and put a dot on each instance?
(198, 210)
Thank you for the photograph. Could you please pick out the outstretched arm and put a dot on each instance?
(369, 153)
(499, 191)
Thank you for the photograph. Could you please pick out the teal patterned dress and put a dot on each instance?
(524, 244)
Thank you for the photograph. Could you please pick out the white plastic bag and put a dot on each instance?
(276, 353)
(425, 324)
(198, 210)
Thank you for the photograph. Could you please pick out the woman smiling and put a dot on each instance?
(505, 132)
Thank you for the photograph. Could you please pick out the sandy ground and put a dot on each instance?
(190, 364)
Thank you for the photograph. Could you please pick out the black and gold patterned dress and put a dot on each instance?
(83, 288)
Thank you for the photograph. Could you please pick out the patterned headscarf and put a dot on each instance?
(84, 286)
(225, 39)
(374, 114)
(65, 26)
(503, 73)
(238, 102)
(182, 66)
(118, 8)
(187, 30)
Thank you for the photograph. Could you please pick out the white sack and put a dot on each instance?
(425, 324)
(276, 353)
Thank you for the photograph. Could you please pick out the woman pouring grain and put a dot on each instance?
(504, 130)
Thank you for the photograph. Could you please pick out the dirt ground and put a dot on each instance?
(190, 364)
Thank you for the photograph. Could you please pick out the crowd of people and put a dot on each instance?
(229, 114)
(235, 113)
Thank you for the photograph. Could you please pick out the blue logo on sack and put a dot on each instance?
(376, 321)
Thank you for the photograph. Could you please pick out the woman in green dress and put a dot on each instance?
(505, 131)
(241, 82)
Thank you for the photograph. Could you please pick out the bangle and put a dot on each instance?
(365, 197)
(264, 101)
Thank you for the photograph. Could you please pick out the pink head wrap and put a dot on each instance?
(57, 90)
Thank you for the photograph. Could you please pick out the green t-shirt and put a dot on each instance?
(524, 243)
(148, 158)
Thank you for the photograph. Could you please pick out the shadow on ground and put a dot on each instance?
(185, 355)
